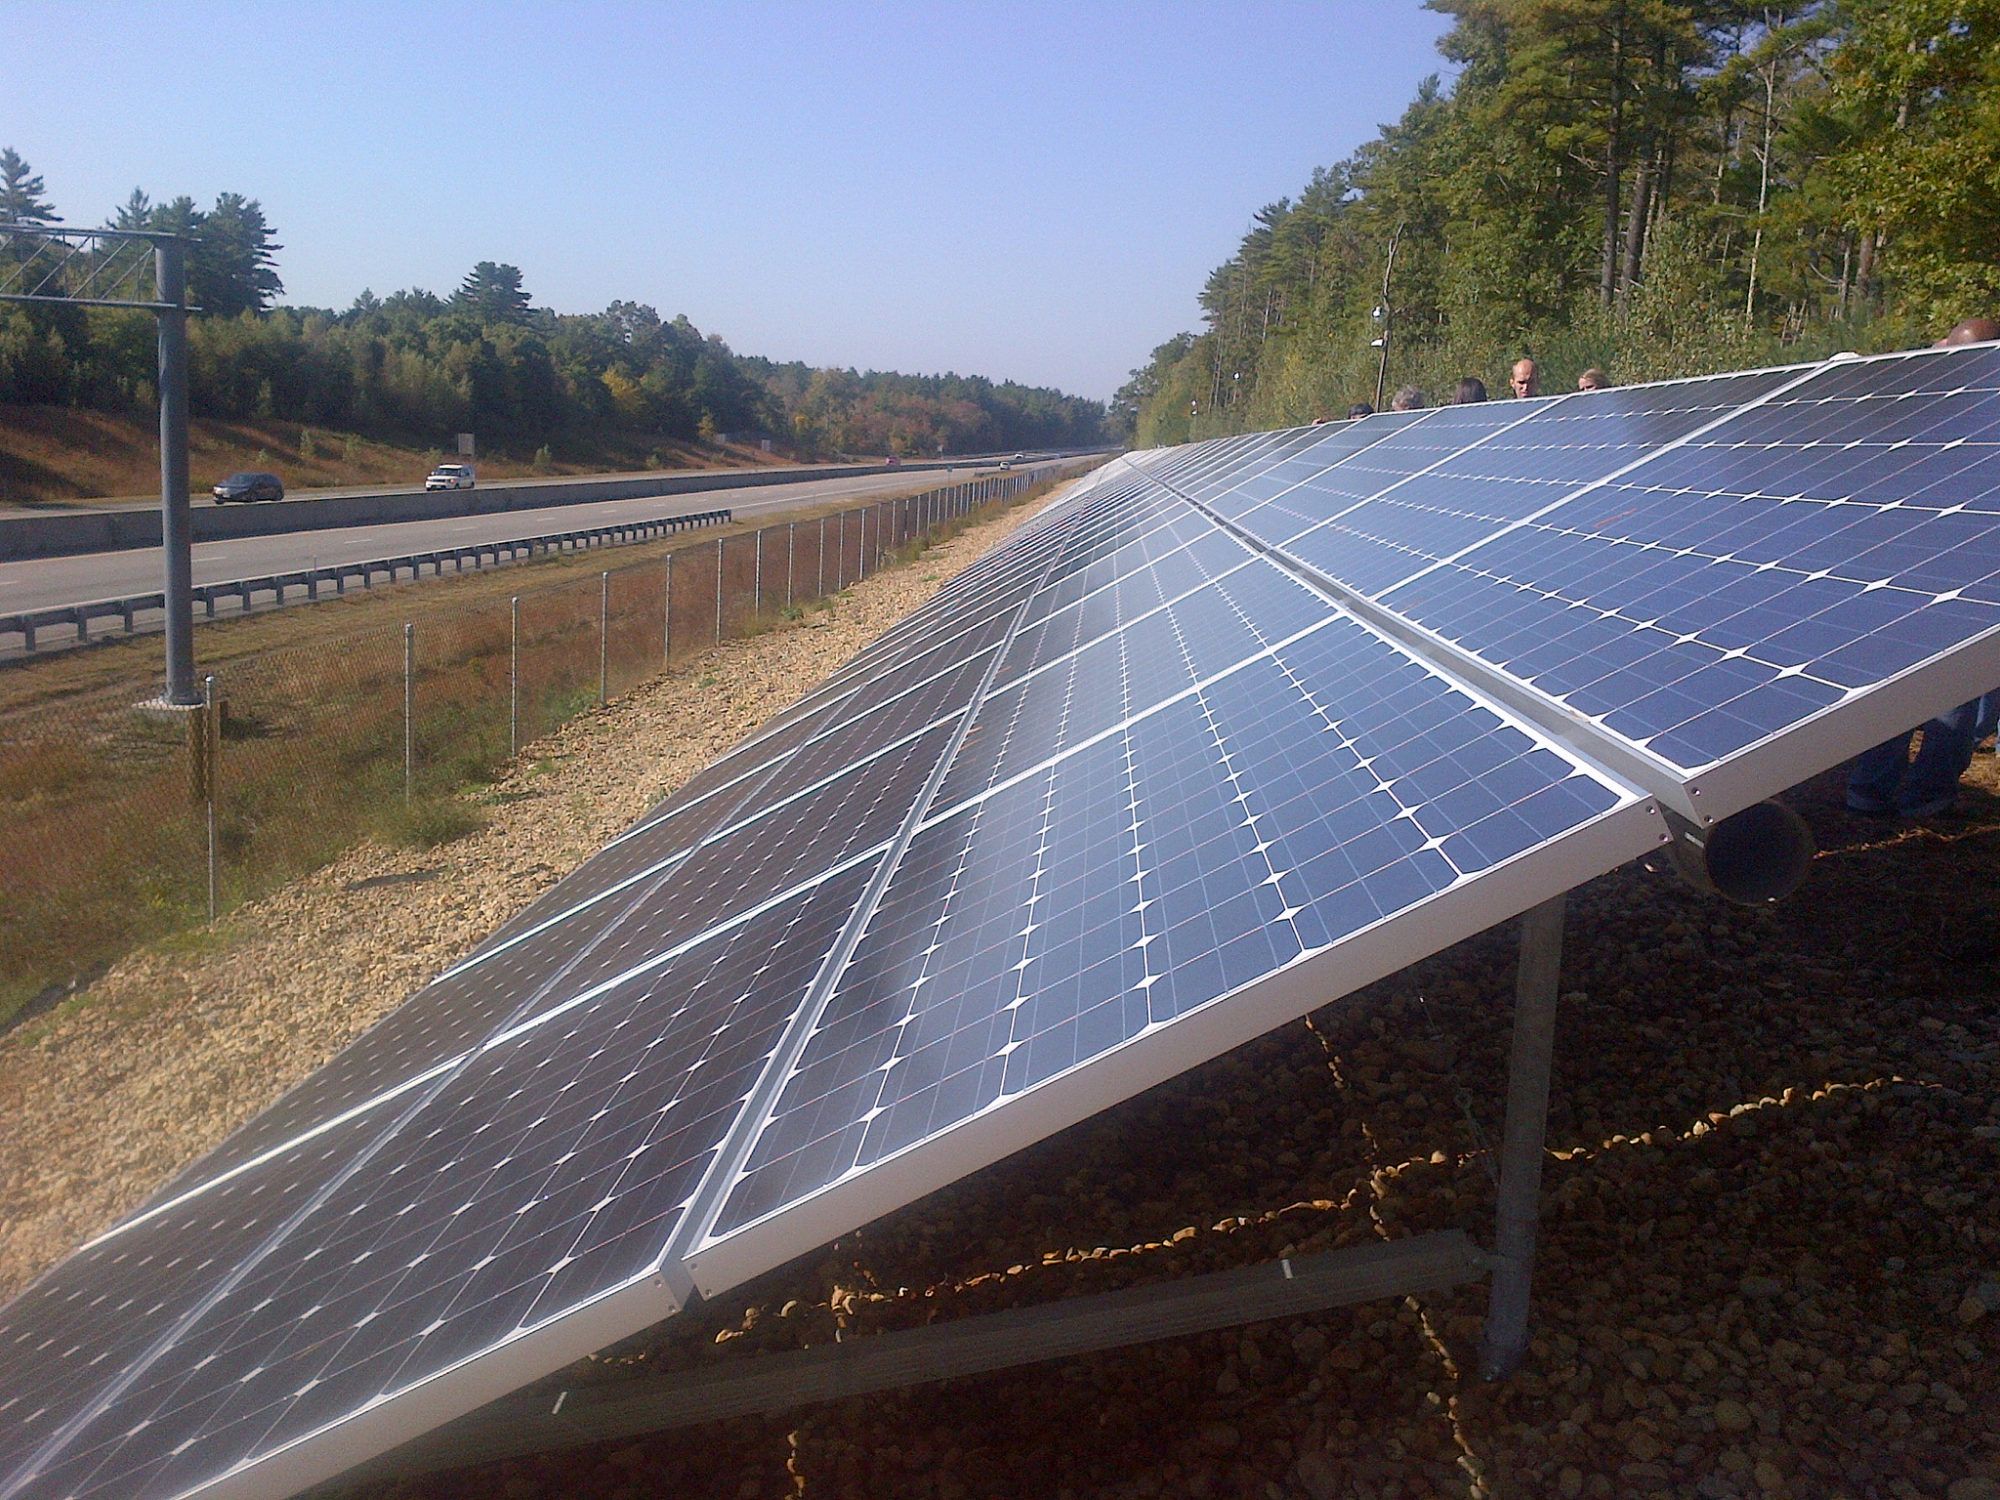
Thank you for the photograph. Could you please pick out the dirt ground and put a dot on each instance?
(1770, 1253)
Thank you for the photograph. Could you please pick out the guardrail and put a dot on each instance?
(29, 623)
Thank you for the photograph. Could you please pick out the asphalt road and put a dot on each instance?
(50, 582)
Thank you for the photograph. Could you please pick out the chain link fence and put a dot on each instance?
(124, 821)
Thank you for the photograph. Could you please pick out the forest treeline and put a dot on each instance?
(483, 359)
(1656, 187)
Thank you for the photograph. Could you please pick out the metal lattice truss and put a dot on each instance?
(91, 267)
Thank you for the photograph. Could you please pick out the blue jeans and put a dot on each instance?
(1885, 778)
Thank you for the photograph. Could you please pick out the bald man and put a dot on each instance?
(1971, 331)
(1525, 378)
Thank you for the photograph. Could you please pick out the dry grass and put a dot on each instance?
(58, 455)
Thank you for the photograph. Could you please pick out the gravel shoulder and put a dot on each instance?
(1770, 1255)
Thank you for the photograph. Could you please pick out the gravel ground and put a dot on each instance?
(1770, 1255)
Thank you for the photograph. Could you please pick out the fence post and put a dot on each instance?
(211, 735)
(514, 677)
(791, 536)
(409, 708)
(819, 590)
(718, 590)
(839, 550)
(603, 636)
(667, 616)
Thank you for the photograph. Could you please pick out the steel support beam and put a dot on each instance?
(1529, 1063)
(1162, 1309)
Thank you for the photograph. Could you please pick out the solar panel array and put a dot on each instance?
(1230, 731)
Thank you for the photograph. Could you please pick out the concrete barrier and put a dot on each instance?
(75, 532)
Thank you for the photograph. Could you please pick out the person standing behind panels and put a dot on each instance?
(1525, 379)
(1886, 779)
(1593, 379)
(1409, 398)
(1470, 389)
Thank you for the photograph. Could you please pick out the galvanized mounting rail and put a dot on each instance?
(28, 623)
(535, 1422)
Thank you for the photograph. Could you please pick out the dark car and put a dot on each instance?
(249, 486)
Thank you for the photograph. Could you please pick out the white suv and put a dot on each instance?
(450, 477)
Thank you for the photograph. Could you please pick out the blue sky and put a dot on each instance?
(1032, 192)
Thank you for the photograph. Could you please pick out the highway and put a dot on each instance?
(52, 582)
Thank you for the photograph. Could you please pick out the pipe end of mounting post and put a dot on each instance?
(1752, 857)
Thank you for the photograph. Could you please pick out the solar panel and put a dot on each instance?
(1779, 565)
(1228, 732)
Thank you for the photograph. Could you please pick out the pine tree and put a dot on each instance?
(21, 191)
(233, 259)
(493, 292)
(136, 212)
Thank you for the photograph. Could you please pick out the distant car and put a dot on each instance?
(893, 461)
(450, 477)
(249, 486)
(1018, 458)
(1006, 463)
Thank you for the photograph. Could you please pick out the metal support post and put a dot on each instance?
(514, 677)
(757, 577)
(718, 590)
(667, 615)
(1528, 1067)
(603, 637)
(409, 708)
(791, 540)
(840, 551)
(819, 589)
(211, 736)
(176, 529)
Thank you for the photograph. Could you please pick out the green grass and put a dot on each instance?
(427, 822)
